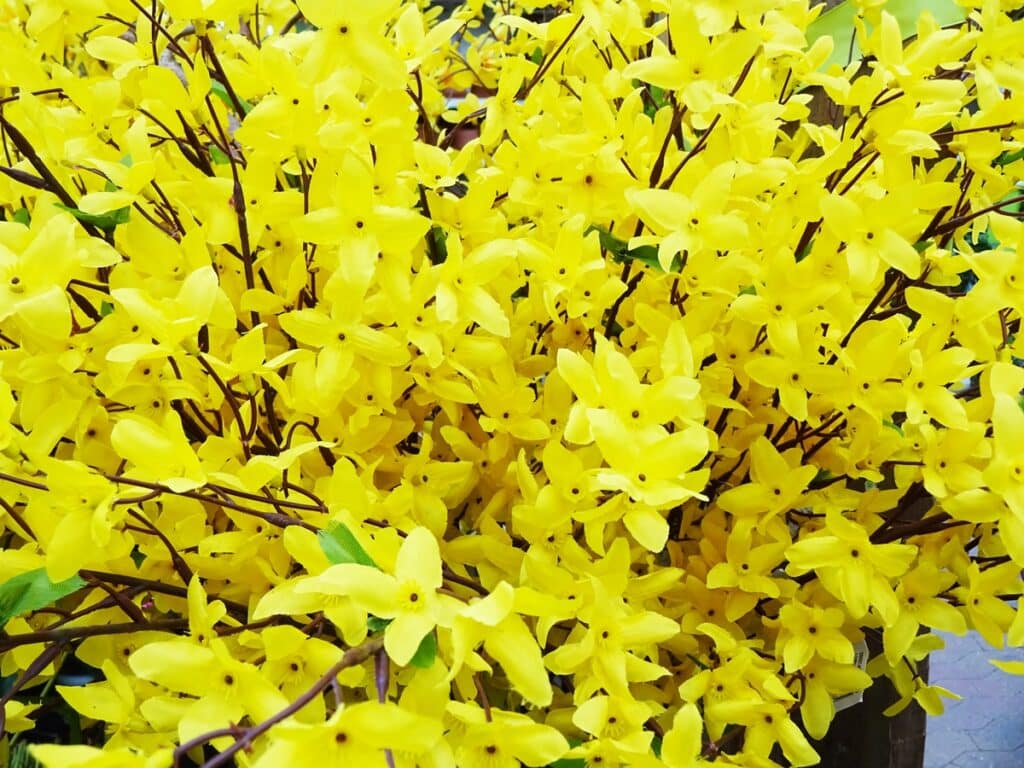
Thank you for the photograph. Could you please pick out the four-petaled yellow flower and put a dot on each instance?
(408, 597)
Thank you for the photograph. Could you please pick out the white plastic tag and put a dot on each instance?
(860, 659)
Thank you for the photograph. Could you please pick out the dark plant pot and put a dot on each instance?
(862, 737)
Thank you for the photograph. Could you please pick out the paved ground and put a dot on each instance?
(985, 729)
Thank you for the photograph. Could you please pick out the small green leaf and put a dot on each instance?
(341, 546)
(892, 425)
(537, 56)
(438, 251)
(105, 221)
(377, 624)
(22, 216)
(621, 252)
(426, 653)
(657, 100)
(821, 476)
(648, 254)
(748, 290)
(31, 591)
(609, 242)
(106, 308)
(218, 156)
(1010, 157)
(218, 90)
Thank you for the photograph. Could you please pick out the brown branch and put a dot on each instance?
(232, 404)
(247, 736)
(122, 600)
(28, 151)
(24, 177)
(211, 54)
(550, 60)
(180, 566)
(68, 634)
(959, 221)
(38, 665)
(481, 694)
(16, 517)
(172, 42)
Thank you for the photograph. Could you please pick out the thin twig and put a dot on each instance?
(246, 737)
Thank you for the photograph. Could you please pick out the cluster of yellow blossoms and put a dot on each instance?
(599, 439)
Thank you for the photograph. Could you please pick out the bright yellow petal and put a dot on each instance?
(403, 635)
(371, 589)
(419, 559)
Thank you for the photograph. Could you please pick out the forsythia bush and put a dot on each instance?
(601, 439)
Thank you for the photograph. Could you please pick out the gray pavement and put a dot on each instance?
(985, 729)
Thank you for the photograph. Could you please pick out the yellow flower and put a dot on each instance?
(823, 681)
(683, 746)
(408, 597)
(355, 734)
(986, 611)
(920, 604)
(504, 740)
(351, 37)
(851, 567)
(807, 631)
(777, 485)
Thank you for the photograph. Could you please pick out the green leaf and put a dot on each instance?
(426, 653)
(105, 221)
(31, 591)
(648, 254)
(22, 216)
(218, 90)
(621, 252)
(821, 476)
(377, 624)
(20, 757)
(892, 425)
(537, 56)
(748, 290)
(656, 746)
(341, 546)
(657, 98)
(106, 308)
(438, 251)
(838, 23)
(609, 242)
(218, 156)
(1010, 157)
